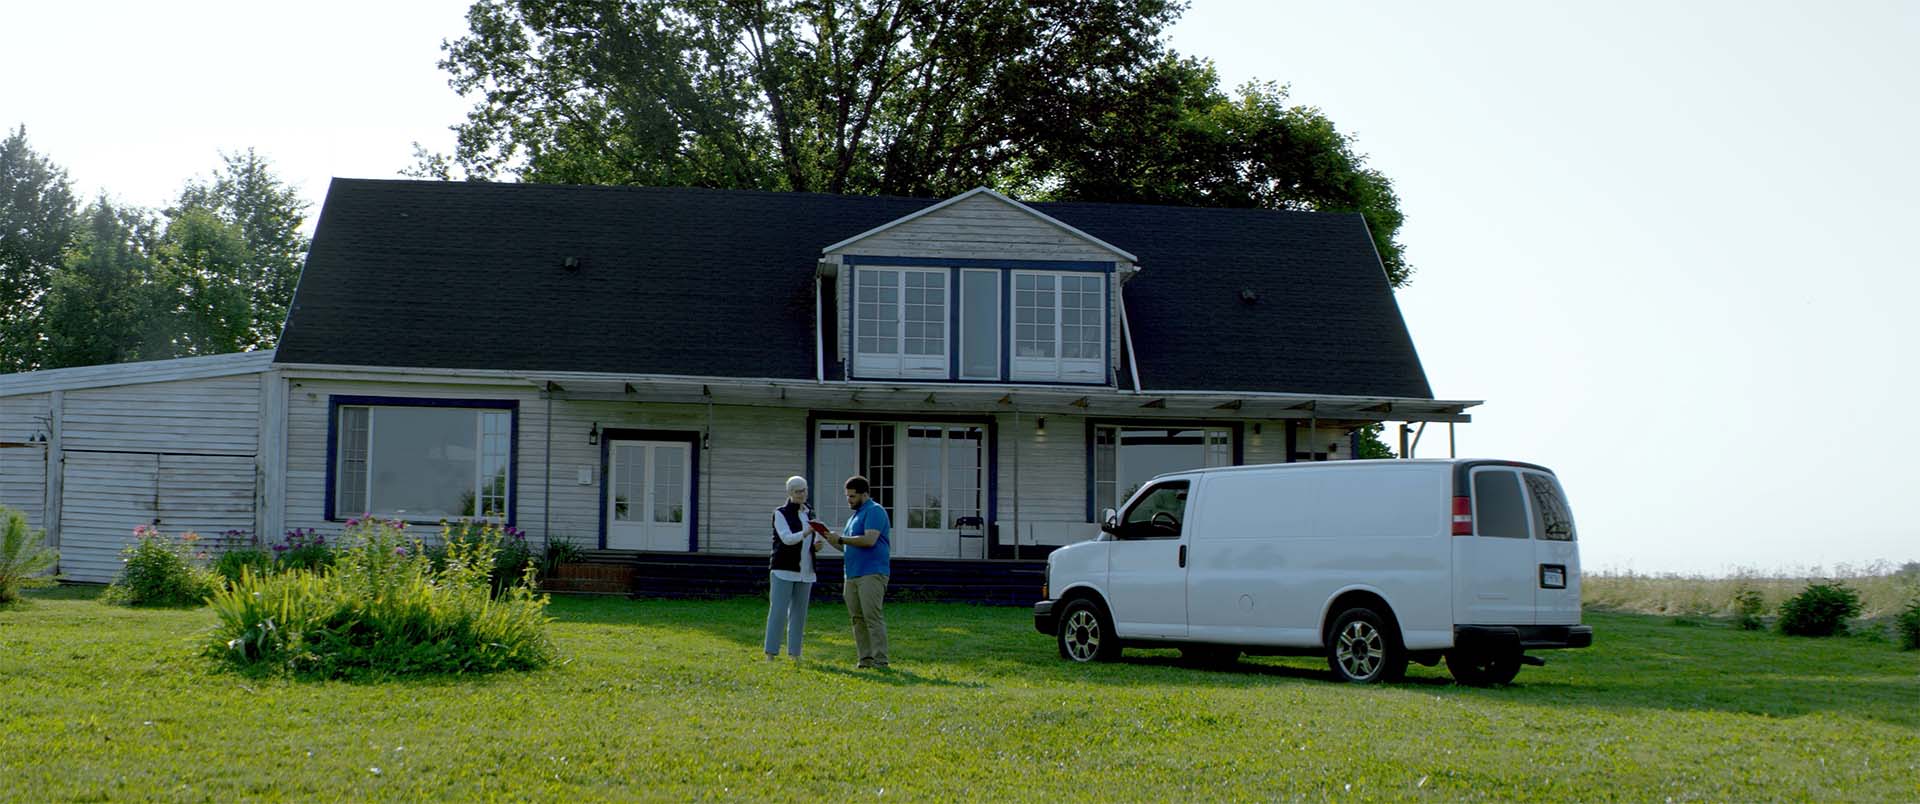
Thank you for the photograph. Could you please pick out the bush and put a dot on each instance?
(161, 571)
(23, 556)
(512, 556)
(383, 609)
(1748, 606)
(1822, 610)
(1908, 626)
(558, 551)
(304, 548)
(232, 562)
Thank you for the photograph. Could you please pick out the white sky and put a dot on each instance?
(1666, 242)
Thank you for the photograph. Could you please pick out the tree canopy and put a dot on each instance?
(1047, 99)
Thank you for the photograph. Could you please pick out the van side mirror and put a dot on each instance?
(1110, 521)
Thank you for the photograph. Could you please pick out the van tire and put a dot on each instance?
(1086, 633)
(1362, 649)
(1483, 668)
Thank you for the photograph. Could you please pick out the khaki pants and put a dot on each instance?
(865, 595)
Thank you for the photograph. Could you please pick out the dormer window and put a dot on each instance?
(900, 322)
(1059, 327)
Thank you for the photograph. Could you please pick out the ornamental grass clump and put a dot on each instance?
(383, 609)
(23, 557)
(160, 570)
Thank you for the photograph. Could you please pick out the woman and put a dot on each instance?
(790, 570)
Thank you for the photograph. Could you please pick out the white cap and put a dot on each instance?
(796, 483)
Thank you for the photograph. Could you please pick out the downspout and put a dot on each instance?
(1126, 332)
(546, 495)
(819, 342)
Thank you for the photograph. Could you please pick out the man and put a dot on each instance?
(867, 551)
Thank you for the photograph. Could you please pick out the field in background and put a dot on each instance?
(1884, 589)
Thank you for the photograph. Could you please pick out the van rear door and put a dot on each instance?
(1556, 594)
(1493, 569)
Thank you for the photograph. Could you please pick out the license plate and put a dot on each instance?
(1553, 577)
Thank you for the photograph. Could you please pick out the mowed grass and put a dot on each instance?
(672, 700)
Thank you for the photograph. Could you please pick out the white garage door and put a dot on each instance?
(105, 495)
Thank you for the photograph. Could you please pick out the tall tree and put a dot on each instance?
(37, 220)
(267, 214)
(201, 282)
(1066, 99)
(104, 303)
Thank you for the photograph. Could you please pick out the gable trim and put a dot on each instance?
(1041, 216)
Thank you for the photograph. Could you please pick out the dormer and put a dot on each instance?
(979, 288)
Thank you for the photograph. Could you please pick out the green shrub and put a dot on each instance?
(559, 550)
(231, 562)
(1908, 626)
(1748, 606)
(23, 556)
(304, 548)
(383, 609)
(512, 556)
(162, 571)
(1821, 610)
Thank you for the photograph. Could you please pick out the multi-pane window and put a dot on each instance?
(423, 463)
(1124, 458)
(1059, 327)
(900, 322)
(836, 457)
(928, 476)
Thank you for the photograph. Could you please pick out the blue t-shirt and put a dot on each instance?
(868, 560)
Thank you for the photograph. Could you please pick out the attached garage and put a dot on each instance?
(91, 453)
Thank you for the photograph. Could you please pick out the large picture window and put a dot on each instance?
(900, 322)
(423, 462)
(1126, 457)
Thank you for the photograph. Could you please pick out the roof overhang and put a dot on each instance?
(146, 371)
(1122, 254)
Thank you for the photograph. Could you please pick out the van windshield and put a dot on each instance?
(1552, 519)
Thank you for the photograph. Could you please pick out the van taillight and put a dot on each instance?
(1463, 516)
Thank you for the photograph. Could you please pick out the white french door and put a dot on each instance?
(648, 488)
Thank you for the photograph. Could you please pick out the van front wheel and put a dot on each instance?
(1086, 635)
(1361, 649)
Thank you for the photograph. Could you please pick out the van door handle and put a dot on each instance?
(1183, 556)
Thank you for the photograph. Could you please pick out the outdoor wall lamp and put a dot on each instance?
(1256, 428)
(1040, 426)
(593, 436)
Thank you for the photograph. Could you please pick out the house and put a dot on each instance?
(639, 369)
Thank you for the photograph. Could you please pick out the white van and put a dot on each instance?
(1373, 563)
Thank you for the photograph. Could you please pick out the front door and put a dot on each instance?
(647, 505)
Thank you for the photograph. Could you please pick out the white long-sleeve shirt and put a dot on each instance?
(804, 537)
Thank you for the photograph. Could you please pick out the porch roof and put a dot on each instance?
(1033, 399)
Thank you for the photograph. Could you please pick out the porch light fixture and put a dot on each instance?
(1256, 428)
(1040, 426)
(593, 436)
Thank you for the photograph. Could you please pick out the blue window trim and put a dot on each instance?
(1238, 441)
(1006, 268)
(992, 490)
(956, 262)
(691, 437)
(336, 401)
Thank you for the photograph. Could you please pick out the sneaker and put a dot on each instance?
(863, 666)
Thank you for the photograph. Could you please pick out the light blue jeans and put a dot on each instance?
(786, 611)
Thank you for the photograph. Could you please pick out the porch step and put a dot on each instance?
(697, 575)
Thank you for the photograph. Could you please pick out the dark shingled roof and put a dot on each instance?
(720, 283)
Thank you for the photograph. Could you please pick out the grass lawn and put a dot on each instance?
(672, 700)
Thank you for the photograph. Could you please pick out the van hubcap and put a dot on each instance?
(1359, 649)
(1082, 635)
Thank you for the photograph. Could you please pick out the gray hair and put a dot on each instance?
(796, 483)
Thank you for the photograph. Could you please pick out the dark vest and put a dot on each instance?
(787, 556)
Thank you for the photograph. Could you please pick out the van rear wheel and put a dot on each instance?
(1361, 649)
(1481, 668)
(1086, 634)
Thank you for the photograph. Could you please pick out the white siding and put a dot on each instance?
(219, 416)
(104, 497)
(981, 227)
(23, 470)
